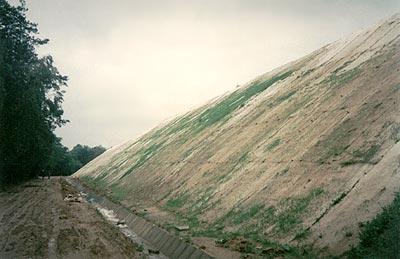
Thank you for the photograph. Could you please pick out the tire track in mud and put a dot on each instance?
(52, 243)
(17, 216)
(9, 206)
(35, 220)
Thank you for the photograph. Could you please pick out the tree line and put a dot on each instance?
(31, 94)
(66, 162)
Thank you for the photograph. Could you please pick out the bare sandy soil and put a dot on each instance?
(36, 222)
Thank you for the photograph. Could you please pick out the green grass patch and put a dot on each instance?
(179, 125)
(142, 214)
(281, 99)
(254, 243)
(302, 234)
(395, 132)
(367, 154)
(175, 126)
(250, 222)
(139, 248)
(221, 111)
(187, 153)
(118, 193)
(336, 143)
(339, 79)
(273, 144)
(337, 150)
(293, 208)
(201, 203)
(144, 154)
(380, 238)
(243, 158)
(362, 156)
(94, 183)
(247, 214)
(284, 97)
(177, 202)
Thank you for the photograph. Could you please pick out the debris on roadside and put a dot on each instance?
(72, 198)
(182, 228)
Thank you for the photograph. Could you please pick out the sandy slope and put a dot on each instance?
(308, 148)
(37, 223)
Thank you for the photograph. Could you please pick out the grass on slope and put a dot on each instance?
(116, 193)
(290, 217)
(144, 154)
(273, 144)
(395, 131)
(340, 79)
(380, 238)
(281, 99)
(224, 108)
(337, 142)
(362, 156)
(248, 225)
(177, 202)
(221, 110)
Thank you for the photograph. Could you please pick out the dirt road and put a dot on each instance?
(36, 222)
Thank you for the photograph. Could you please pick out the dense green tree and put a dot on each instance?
(85, 154)
(61, 162)
(30, 98)
(65, 162)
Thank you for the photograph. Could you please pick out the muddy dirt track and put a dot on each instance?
(36, 222)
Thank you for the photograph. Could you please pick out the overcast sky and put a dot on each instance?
(133, 64)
